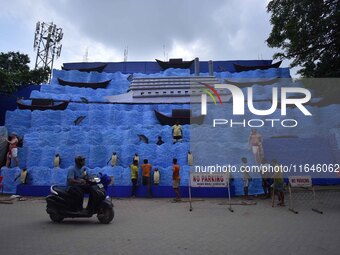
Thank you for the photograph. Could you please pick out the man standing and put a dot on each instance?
(278, 182)
(76, 179)
(246, 178)
(177, 133)
(12, 150)
(146, 170)
(255, 144)
(134, 177)
(176, 179)
(266, 181)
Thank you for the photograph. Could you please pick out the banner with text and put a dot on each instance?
(219, 180)
(300, 181)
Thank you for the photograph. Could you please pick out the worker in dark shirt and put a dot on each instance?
(76, 178)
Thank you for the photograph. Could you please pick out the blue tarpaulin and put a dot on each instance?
(109, 128)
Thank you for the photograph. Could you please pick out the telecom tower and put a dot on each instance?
(47, 41)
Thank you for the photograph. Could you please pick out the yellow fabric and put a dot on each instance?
(278, 175)
(134, 171)
(177, 130)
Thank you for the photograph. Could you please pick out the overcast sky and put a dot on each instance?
(208, 29)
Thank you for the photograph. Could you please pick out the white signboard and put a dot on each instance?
(300, 181)
(215, 180)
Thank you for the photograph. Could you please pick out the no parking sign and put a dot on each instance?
(209, 180)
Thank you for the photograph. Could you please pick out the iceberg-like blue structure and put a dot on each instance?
(114, 127)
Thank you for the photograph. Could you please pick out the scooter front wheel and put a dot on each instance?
(56, 217)
(105, 215)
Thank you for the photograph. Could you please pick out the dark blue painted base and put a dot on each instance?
(125, 191)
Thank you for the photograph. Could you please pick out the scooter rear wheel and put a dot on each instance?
(56, 218)
(105, 216)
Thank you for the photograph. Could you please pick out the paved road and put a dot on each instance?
(157, 226)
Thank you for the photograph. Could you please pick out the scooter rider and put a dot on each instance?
(76, 179)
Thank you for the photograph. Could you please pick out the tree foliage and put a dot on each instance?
(308, 32)
(15, 72)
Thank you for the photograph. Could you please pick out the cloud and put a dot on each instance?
(216, 30)
(146, 26)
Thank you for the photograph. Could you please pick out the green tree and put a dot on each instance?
(15, 72)
(308, 32)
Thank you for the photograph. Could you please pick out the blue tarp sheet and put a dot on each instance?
(115, 128)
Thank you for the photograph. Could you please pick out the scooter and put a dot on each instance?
(68, 203)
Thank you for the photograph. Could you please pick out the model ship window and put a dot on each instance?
(186, 92)
(149, 93)
(157, 92)
(164, 92)
(142, 93)
(171, 92)
(179, 92)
